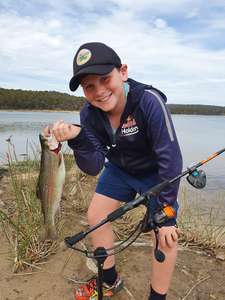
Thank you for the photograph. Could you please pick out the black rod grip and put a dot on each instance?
(71, 240)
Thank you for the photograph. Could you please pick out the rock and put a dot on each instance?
(91, 265)
(220, 255)
(2, 204)
(3, 172)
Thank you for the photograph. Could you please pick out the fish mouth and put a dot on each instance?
(50, 143)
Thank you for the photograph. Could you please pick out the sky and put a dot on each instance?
(178, 46)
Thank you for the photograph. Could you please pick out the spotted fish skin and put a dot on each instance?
(50, 184)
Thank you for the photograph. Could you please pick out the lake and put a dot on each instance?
(199, 137)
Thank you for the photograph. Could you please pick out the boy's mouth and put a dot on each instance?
(104, 99)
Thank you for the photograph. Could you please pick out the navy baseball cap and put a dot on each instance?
(93, 58)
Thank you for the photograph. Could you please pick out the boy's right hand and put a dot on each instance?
(62, 131)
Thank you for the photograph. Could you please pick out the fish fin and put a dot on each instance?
(60, 159)
(42, 234)
(50, 233)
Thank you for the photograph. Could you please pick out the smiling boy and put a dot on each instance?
(126, 130)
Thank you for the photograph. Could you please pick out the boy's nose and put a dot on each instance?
(100, 91)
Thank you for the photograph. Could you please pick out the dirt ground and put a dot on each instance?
(197, 276)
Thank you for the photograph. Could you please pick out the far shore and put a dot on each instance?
(77, 111)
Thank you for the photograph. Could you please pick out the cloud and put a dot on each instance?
(179, 55)
(32, 46)
(158, 7)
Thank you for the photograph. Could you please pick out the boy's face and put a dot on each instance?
(106, 91)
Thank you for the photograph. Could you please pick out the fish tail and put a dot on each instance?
(50, 232)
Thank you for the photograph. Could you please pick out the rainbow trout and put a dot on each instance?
(50, 182)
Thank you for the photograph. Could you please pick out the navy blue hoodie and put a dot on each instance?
(144, 143)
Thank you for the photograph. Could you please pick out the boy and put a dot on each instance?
(128, 123)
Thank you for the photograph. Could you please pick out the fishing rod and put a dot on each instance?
(197, 178)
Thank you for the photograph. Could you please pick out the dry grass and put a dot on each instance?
(79, 189)
(202, 227)
(125, 225)
(21, 218)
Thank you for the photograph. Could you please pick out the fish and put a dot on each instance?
(50, 183)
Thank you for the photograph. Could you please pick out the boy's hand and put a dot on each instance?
(168, 236)
(62, 131)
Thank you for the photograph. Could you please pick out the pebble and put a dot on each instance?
(221, 255)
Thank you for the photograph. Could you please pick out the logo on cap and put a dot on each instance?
(83, 57)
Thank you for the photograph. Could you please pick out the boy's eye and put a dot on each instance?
(89, 86)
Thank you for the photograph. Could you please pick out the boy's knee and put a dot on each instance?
(94, 215)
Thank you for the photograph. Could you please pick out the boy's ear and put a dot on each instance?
(124, 72)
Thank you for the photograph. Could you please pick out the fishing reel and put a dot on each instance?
(197, 178)
(165, 213)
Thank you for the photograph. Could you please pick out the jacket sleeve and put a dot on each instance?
(164, 143)
(89, 152)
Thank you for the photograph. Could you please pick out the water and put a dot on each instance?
(24, 128)
(199, 137)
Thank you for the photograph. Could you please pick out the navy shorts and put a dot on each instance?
(117, 184)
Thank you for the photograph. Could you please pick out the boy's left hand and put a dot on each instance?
(168, 236)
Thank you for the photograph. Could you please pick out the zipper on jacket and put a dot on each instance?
(113, 145)
(114, 130)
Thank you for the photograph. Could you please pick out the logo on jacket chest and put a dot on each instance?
(129, 127)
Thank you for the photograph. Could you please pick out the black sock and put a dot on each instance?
(109, 275)
(155, 296)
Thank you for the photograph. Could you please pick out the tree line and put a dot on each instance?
(38, 100)
(51, 100)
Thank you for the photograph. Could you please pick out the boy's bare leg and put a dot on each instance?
(98, 210)
(161, 273)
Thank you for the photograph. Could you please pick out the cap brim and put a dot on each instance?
(96, 70)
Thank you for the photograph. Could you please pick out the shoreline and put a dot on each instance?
(77, 111)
